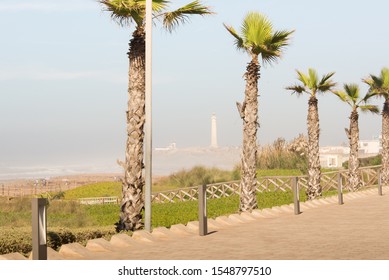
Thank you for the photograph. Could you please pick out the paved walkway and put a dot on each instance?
(357, 229)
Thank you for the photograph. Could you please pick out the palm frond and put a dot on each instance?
(258, 38)
(326, 84)
(303, 78)
(274, 45)
(313, 79)
(124, 11)
(369, 81)
(369, 95)
(352, 90)
(256, 28)
(385, 77)
(310, 82)
(370, 109)
(342, 96)
(379, 84)
(298, 89)
(238, 39)
(181, 15)
(326, 78)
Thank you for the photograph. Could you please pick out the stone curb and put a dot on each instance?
(142, 236)
(13, 256)
(99, 245)
(122, 240)
(180, 229)
(74, 250)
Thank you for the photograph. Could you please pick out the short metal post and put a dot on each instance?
(39, 229)
(203, 225)
(379, 183)
(340, 189)
(296, 196)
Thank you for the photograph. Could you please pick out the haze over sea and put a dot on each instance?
(165, 162)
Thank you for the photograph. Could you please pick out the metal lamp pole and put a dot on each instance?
(148, 126)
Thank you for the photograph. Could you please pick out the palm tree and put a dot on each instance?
(380, 86)
(351, 96)
(128, 13)
(257, 38)
(311, 85)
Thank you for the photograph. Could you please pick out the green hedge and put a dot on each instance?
(20, 240)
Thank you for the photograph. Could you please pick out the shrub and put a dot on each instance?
(20, 240)
(283, 155)
(369, 161)
(198, 175)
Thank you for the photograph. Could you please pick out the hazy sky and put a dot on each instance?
(63, 76)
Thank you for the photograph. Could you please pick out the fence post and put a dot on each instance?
(296, 195)
(203, 225)
(2, 186)
(39, 229)
(379, 182)
(340, 189)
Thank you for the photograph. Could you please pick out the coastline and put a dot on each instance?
(165, 162)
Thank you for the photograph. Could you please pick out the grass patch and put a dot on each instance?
(102, 189)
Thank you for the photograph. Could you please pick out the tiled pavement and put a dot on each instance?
(357, 229)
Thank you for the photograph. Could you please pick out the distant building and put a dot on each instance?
(370, 147)
(171, 146)
(335, 156)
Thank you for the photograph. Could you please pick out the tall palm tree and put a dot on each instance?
(380, 86)
(258, 39)
(351, 96)
(311, 85)
(132, 13)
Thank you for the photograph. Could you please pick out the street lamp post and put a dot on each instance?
(148, 124)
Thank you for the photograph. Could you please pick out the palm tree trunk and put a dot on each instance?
(133, 182)
(354, 178)
(249, 114)
(385, 143)
(314, 173)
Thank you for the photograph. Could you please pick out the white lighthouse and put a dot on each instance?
(213, 132)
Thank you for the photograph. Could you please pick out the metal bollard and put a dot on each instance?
(296, 196)
(39, 229)
(340, 189)
(379, 183)
(203, 225)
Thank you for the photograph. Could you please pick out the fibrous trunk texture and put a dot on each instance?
(314, 173)
(354, 178)
(385, 143)
(133, 181)
(249, 114)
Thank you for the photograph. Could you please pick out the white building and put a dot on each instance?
(170, 147)
(370, 147)
(335, 156)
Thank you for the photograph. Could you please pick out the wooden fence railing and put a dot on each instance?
(38, 186)
(23, 190)
(329, 181)
(99, 200)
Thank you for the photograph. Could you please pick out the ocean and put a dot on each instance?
(164, 163)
